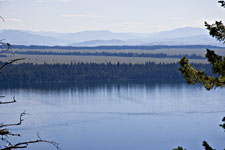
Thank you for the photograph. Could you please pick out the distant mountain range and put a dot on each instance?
(180, 36)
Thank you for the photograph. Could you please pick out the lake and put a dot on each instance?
(117, 116)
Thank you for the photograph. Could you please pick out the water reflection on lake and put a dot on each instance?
(118, 116)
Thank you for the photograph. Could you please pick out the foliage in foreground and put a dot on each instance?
(194, 76)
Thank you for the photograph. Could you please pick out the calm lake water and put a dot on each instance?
(128, 116)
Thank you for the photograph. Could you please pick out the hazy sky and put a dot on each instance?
(113, 15)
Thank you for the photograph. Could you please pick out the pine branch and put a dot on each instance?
(193, 76)
(222, 3)
(206, 146)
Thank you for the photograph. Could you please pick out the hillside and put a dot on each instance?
(179, 36)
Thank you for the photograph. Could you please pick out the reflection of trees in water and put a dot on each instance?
(88, 86)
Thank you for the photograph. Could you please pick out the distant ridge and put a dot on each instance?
(180, 36)
(99, 42)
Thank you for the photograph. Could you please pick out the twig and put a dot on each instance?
(15, 124)
(10, 62)
(13, 101)
(2, 18)
(25, 144)
(8, 46)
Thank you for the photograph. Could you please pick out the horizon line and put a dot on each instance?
(100, 30)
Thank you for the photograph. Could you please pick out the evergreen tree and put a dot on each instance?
(194, 76)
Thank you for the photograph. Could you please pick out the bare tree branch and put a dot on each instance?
(15, 124)
(2, 18)
(5, 46)
(13, 101)
(21, 145)
(10, 62)
(5, 132)
(25, 144)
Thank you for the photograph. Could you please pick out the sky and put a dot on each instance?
(142, 16)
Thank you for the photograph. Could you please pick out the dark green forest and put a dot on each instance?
(93, 72)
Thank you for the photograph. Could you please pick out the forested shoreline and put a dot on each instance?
(87, 72)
